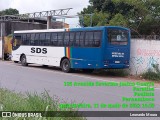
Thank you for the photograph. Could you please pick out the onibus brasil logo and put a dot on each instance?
(21, 114)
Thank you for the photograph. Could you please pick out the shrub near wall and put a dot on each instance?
(152, 74)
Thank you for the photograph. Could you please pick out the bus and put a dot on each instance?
(88, 48)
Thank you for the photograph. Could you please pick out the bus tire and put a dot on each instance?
(66, 66)
(88, 70)
(45, 66)
(24, 61)
(16, 61)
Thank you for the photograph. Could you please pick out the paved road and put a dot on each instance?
(36, 78)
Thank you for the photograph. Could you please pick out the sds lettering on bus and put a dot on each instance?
(38, 50)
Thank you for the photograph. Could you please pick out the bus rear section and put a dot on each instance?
(117, 51)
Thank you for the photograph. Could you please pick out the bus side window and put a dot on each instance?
(32, 39)
(28, 39)
(42, 39)
(48, 38)
(25, 40)
(54, 39)
(77, 39)
(97, 39)
(72, 39)
(66, 39)
(36, 40)
(60, 39)
(89, 39)
(82, 39)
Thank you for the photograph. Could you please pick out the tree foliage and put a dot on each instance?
(140, 15)
(118, 20)
(91, 20)
(9, 11)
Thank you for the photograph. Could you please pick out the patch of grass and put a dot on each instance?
(10, 101)
(114, 72)
(152, 74)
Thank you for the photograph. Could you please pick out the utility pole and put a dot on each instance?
(91, 17)
(49, 22)
(2, 41)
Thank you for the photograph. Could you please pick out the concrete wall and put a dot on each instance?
(144, 53)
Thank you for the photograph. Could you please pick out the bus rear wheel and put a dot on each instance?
(66, 66)
(24, 61)
(16, 61)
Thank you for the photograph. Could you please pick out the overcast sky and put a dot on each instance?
(28, 6)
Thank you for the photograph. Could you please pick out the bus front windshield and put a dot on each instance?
(16, 42)
(118, 36)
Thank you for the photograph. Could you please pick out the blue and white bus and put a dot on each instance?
(106, 47)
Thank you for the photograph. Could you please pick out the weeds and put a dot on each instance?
(152, 74)
(10, 101)
(113, 72)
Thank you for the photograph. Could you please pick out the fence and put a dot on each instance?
(146, 37)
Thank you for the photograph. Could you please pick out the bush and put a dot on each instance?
(152, 74)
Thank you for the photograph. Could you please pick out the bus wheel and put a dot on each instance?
(88, 70)
(66, 66)
(16, 61)
(24, 61)
(45, 66)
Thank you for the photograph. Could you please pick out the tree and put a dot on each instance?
(118, 20)
(9, 11)
(138, 15)
(97, 19)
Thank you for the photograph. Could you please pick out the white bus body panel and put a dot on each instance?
(52, 57)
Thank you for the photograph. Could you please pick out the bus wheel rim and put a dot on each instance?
(23, 60)
(65, 65)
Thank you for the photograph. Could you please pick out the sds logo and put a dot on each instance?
(38, 50)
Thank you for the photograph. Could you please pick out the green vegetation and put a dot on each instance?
(9, 11)
(152, 74)
(113, 72)
(141, 16)
(10, 101)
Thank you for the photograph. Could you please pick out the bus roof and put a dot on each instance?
(74, 29)
(37, 31)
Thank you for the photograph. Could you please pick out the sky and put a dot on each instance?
(29, 6)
